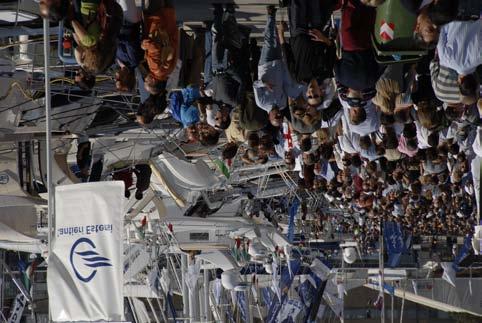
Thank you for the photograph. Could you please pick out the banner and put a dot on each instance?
(84, 277)
(321, 311)
(17, 309)
(395, 243)
(192, 275)
(242, 305)
(218, 289)
(307, 292)
(335, 303)
(292, 311)
(288, 273)
(449, 273)
(275, 280)
(463, 252)
(389, 288)
(281, 288)
(320, 269)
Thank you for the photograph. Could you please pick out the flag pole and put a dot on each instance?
(382, 272)
(48, 138)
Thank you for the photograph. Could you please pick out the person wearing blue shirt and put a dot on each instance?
(459, 46)
(182, 106)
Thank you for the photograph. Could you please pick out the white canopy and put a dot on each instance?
(193, 176)
(182, 180)
(220, 259)
(19, 213)
(15, 241)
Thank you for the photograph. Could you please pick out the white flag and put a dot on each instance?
(311, 280)
(341, 290)
(275, 281)
(218, 289)
(290, 311)
(17, 309)
(321, 311)
(449, 273)
(192, 275)
(165, 280)
(334, 302)
(152, 278)
(84, 276)
(320, 269)
(415, 287)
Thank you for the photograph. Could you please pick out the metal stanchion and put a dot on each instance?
(48, 137)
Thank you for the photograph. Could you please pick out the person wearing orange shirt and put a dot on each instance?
(160, 44)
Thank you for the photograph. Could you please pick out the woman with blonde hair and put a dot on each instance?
(96, 34)
(394, 89)
(429, 116)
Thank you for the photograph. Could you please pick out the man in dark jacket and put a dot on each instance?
(227, 61)
(228, 87)
(143, 173)
(310, 53)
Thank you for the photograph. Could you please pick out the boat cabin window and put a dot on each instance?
(199, 236)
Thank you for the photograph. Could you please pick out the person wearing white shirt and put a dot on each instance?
(350, 143)
(329, 91)
(422, 136)
(211, 111)
(369, 125)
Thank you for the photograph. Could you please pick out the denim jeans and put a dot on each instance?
(208, 63)
(308, 14)
(132, 14)
(271, 49)
(219, 54)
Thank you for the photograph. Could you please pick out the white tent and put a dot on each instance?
(182, 180)
(20, 214)
(15, 241)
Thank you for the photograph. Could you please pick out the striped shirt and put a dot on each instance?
(444, 83)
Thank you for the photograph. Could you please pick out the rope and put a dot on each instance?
(20, 87)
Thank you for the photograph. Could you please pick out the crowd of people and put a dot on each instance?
(392, 141)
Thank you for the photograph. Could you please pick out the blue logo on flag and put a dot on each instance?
(85, 260)
(396, 242)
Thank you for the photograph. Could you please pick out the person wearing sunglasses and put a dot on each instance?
(360, 115)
